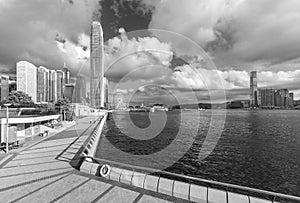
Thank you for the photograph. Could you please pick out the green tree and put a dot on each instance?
(64, 107)
(19, 99)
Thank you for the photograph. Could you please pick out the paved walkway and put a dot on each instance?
(45, 173)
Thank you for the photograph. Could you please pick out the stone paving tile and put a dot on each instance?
(18, 192)
(150, 199)
(117, 194)
(44, 149)
(22, 162)
(11, 181)
(32, 168)
(94, 188)
(56, 189)
(28, 156)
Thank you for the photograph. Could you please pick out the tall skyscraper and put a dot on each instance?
(27, 79)
(4, 86)
(69, 91)
(60, 84)
(105, 86)
(96, 66)
(42, 89)
(53, 86)
(80, 89)
(253, 89)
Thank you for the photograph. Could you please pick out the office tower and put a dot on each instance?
(80, 89)
(253, 89)
(42, 81)
(66, 77)
(4, 85)
(60, 84)
(96, 66)
(105, 86)
(291, 100)
(266, 97)
(27, 79)
(282, 98)
(69, 91)
(53, 86)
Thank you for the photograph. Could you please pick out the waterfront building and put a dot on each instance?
(291, 100)
(282, 98)
(80, 89)
(96, 65)
(266, 97)
(60, 84)
(4, 86)
(253, 89)
(66, 77)
(42, 81)
(52, 86)
(27, 79)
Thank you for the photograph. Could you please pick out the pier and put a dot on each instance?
(59, 169)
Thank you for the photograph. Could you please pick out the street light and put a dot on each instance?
(7, 105)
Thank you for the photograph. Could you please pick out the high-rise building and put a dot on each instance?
(266, 97)
(42, 81)
(4, 86)
(282, 98)
(53, 86)
(69, 91)
(253, 89)
(66, 77)
(291, 100)
(60, 84)
(80, 89)
(27, 79)
(96, 66)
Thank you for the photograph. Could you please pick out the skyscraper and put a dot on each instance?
(27, 79)
(53, 86)
(253, 89)
(4, 86)
(80, 89)
(96, 66)
(42, 90)
(59, 75)
(267, 97)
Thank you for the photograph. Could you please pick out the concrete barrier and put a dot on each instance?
(138, 179)
(86, 167)
(165, 186)
(216, 196)
(115, 174)
(151, 183)
(181, 190)
(234, 197)
(126, 177)
(198, 193)
(257, 200)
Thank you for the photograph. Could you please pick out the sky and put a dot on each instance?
(196, 51)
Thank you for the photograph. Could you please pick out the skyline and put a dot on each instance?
(238, 36)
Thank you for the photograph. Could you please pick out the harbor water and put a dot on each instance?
(259, 149)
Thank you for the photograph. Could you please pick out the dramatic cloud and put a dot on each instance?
(236, 32)
(45, 33)
(136, 58)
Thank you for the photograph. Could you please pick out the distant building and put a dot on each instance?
(266, 97)
(80, 89)
(253, 89)
(4, 86)
(282, 98)
(69, 92)
(96, 65)
(27, 79)
(66, 77)
(291, 100)
(42, 81)
(52, 86)
(60, 84)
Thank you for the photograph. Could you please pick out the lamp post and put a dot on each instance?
(7, 105)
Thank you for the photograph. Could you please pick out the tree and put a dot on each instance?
(19, 99)
(64, 107)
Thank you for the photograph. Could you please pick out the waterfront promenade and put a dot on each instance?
(44, 172)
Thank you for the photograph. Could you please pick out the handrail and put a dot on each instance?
(228, 185)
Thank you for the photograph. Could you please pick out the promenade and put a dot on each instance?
(44, 172)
